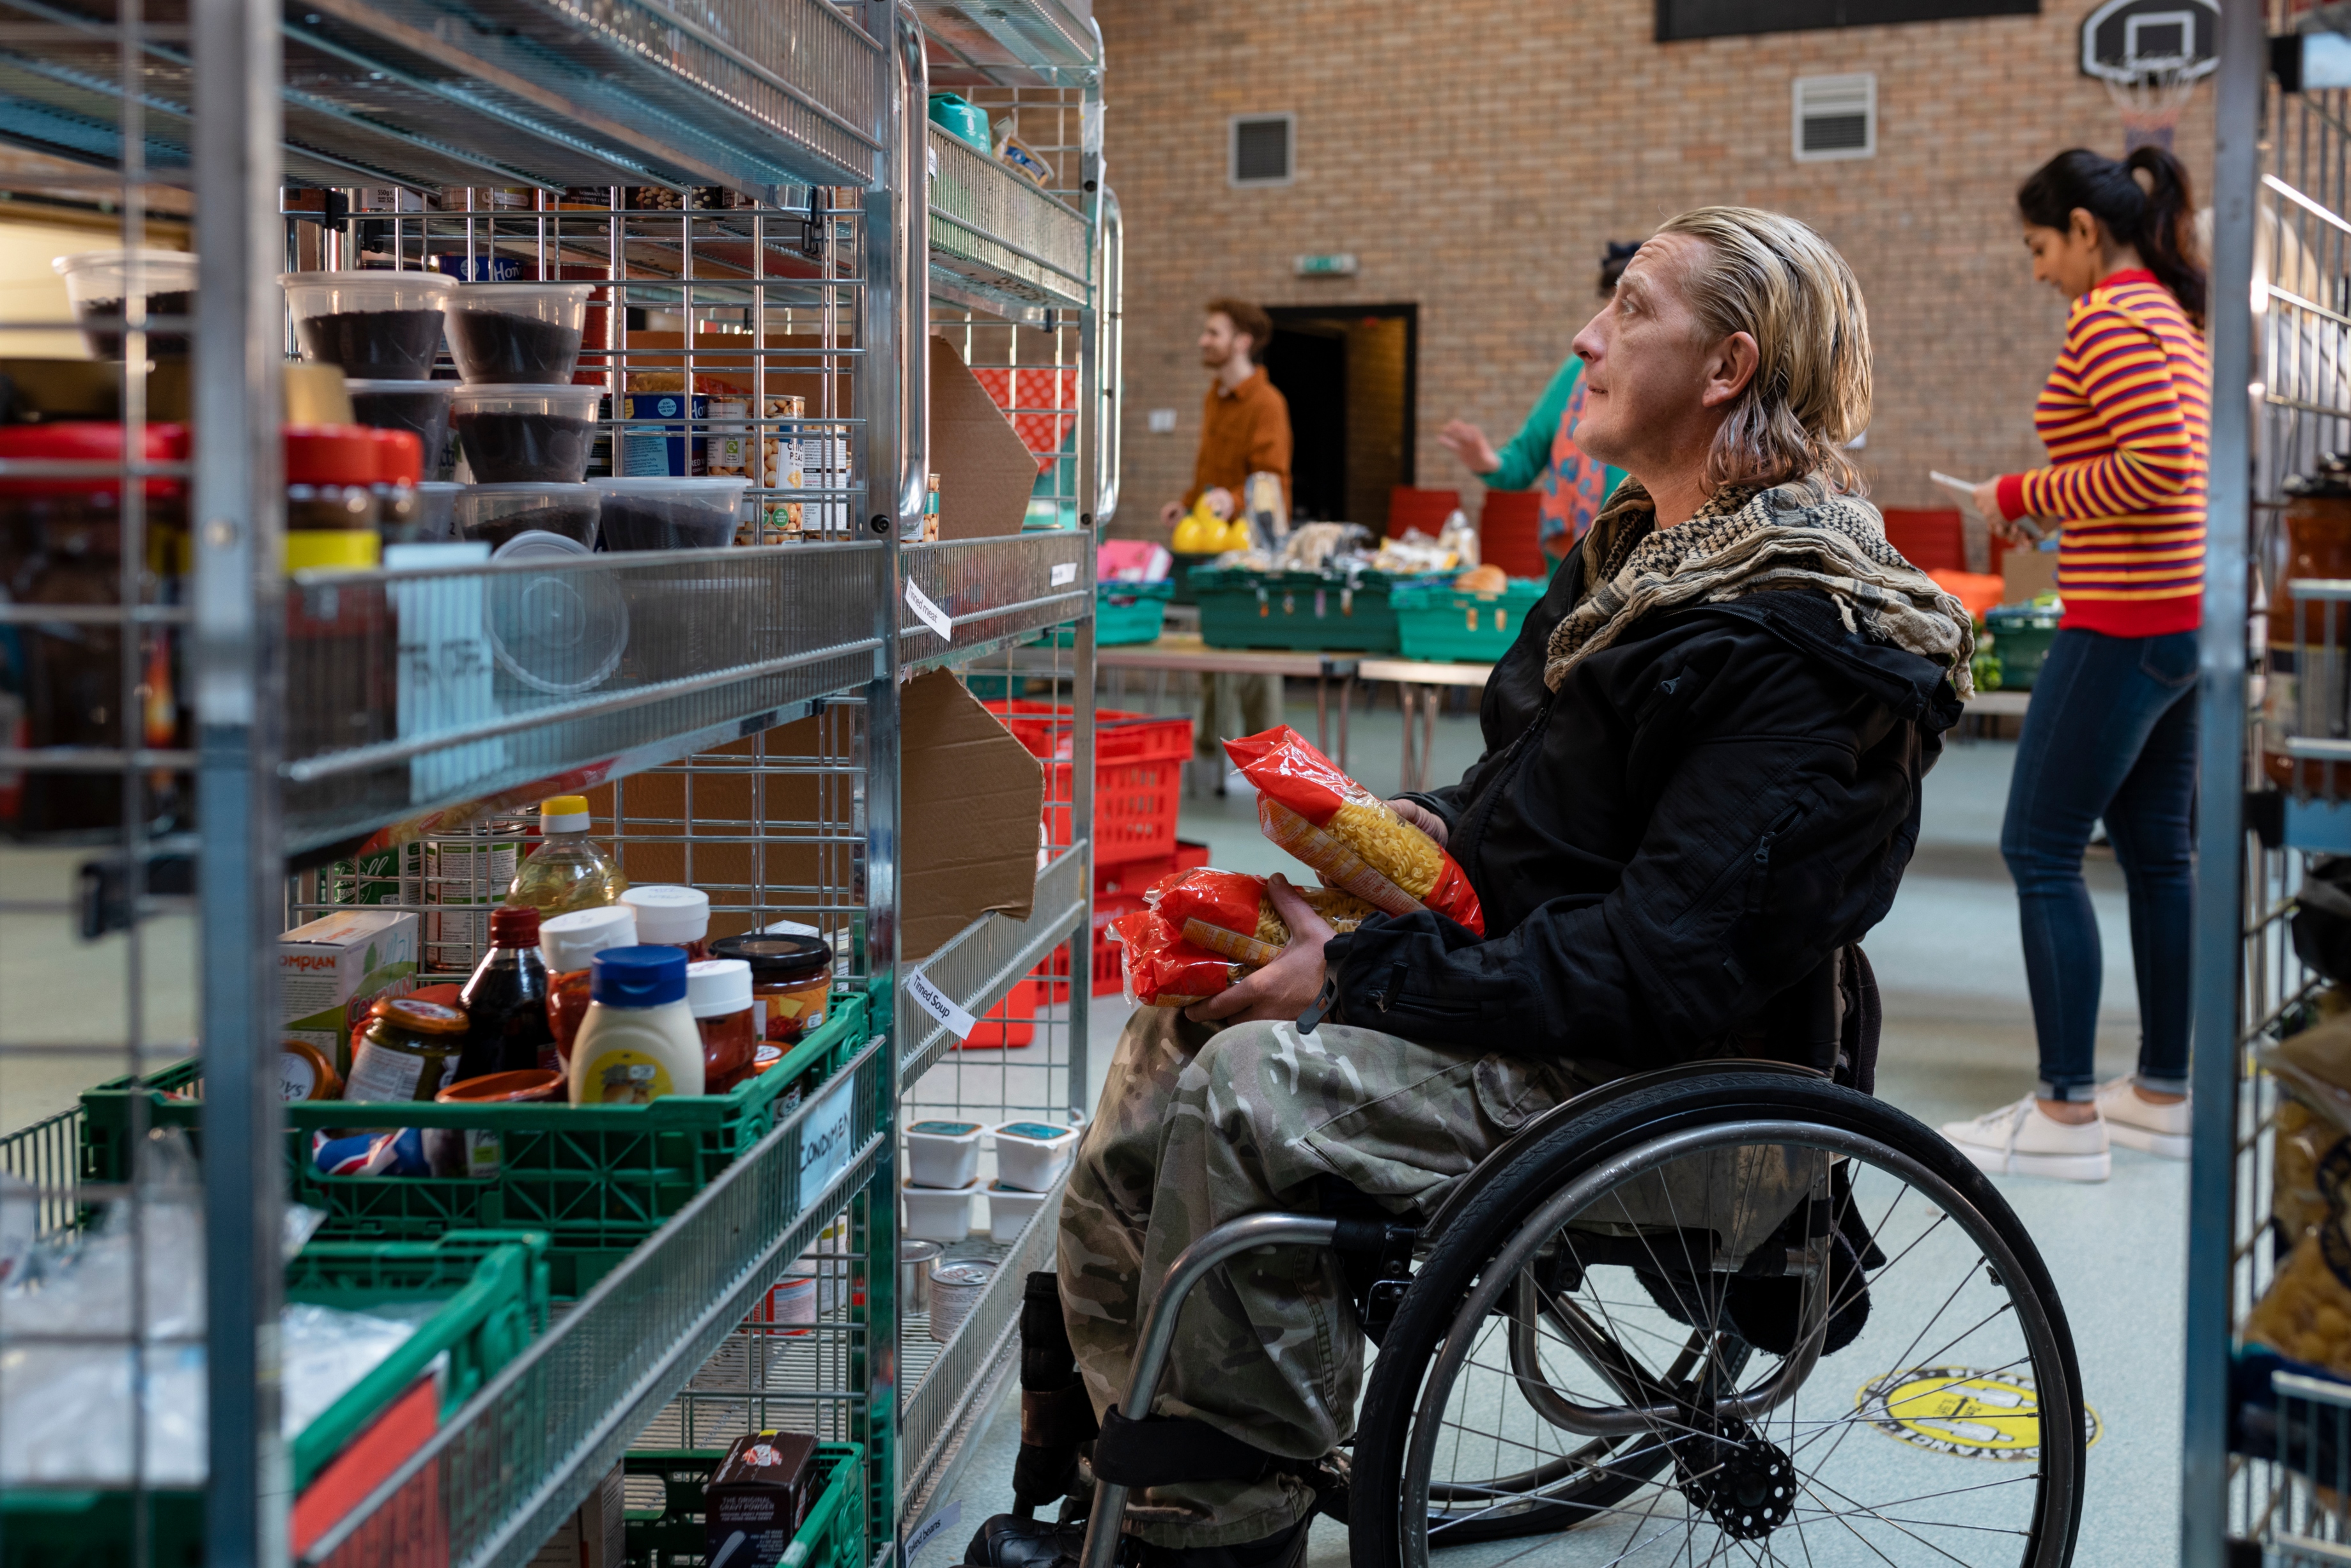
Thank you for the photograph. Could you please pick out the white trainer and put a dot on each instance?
(2024, 1140)
(2136, 1125)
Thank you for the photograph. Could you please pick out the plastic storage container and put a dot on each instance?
(1031, 1156)
(2022, 636)
(670, 514)
(496, 514)
(1435, 621)
(96, 281)
(517, 332)
(514, 434)
(1010, 1210)
(384, 325)
(935, 1213)
(437, 510)
(419, 407)
(558, 631)
(1129, 612)
(943, 1153)
(1330, 613)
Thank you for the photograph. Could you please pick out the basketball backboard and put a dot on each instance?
(2138, 40)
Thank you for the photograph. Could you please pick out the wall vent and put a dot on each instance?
(1263, 148)
(1836, 117)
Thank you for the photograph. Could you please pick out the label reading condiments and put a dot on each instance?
(626, 1078)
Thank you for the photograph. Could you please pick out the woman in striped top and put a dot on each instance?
(2111, 732)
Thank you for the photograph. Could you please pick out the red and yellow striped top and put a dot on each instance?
(2125, 416)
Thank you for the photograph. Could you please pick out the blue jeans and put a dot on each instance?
(2111, 733)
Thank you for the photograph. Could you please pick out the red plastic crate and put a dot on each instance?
(1138, 775)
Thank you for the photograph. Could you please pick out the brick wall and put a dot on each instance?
(1475, 155)
(1374, 413)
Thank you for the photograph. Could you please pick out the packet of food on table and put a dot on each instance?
(1162, 970)
(2311, 1155)
(1230, 911)
(1351, 837)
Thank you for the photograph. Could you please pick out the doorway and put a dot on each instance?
(1350, 377)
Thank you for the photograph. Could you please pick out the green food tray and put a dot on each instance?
(1437, 621)
(495, 1286)
(1125, 612)
(832, 1536)
(597, 1179)
(2020, 640)
(1299, 610)
(1183, 591)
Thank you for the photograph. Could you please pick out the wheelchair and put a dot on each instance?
(1729, 1311)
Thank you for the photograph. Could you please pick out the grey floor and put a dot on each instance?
(1959, 1040)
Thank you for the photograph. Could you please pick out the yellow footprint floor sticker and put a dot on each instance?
(1960, 1411)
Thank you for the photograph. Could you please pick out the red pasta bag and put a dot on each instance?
(1162, 970)
(1230, 911)
(1350, 836)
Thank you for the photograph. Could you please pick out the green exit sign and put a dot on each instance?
(1338, 263)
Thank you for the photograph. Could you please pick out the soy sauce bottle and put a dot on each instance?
(506, 1002)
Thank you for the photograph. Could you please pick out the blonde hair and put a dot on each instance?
(1768, 276)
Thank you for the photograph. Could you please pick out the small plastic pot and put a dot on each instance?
(496, 513)
(935, 1215)
(1010, 1210)
(943, 1153)
(419, 407)
(670, 514)
(1031, 1156)
(379, 326)
(526, 434)
(525, 333)
(96, 281)
(437, 510)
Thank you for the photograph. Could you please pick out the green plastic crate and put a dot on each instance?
(832, 1536)
(597, 1179)
(1184, 591)
(1307, 611)
(1434, 621)
(1124, 613)
(2022, 636)
(493, 1288)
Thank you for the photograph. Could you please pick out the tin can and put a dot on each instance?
(956, 1289)
(915, 1259)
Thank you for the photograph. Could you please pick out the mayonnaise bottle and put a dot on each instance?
(638, 1042)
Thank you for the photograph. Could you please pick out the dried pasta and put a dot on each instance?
(1231, 913)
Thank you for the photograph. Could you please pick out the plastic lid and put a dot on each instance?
(494, 1088)
(332, 549)
(667, 911)
(329, 455)
(399, 457)
(718, 987)
(424, 1017)
(563, 814)
(568, 941)
(514, 925)
(774, 958)
(641, 976)
(89, 441)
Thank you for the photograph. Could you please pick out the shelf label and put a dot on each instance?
(1065, 574)
(826, 1139)
(940, 1005)
(930, 615)
(946, 1518)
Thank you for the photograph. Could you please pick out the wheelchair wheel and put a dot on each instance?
(1745, 1317)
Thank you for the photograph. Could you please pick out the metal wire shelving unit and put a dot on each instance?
(750, 189)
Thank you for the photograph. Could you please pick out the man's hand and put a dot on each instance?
(1285, 988)
(1220, 501)
(1420, 816)
(1468, 443)
(1172, 513)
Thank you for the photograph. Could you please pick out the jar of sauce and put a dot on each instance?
(570, 943)
(409, 1052)
(399, 463)
(2307, 693)
(719, 992)
(671, 915)
(793, 975)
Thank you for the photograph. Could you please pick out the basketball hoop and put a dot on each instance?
(2150, 102)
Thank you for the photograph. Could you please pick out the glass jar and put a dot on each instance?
(793, 975)
(409, 1052)
(670, 914)
(343, 655)
(61, 542)
(2306, 694)
(719, 992)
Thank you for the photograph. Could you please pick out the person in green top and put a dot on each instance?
(1544, 453)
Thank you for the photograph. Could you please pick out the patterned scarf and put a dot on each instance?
(1750, 539)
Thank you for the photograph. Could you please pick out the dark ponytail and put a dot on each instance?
(2159, 220)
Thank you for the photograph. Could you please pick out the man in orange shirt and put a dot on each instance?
(1244, 430)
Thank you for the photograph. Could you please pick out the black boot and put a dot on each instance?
(1056, 1416)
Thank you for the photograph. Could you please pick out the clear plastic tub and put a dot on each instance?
(517, 333)
(97, 280)
(379, 326)
(561, 633)
(437, 510)
(419, 407)
(515, 434)
(497, 513)
(670, 514)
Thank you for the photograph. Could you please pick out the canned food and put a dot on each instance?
(956, 1289)
(914, 1261)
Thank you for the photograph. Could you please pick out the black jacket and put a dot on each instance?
(1698, 820)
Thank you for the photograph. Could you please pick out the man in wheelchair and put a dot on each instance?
(1700, 785)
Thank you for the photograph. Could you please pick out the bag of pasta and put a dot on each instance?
(1230, 911)
(2311, 1155)
(1350, 836)
(1162, 970)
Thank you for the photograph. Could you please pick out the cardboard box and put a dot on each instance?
(971, 797)
(757, 1499)
(2027, 573)
(332, 969)
(986, 471)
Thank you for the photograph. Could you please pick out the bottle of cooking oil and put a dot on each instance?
(567, 871)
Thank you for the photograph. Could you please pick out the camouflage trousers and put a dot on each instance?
(1196, 1126)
